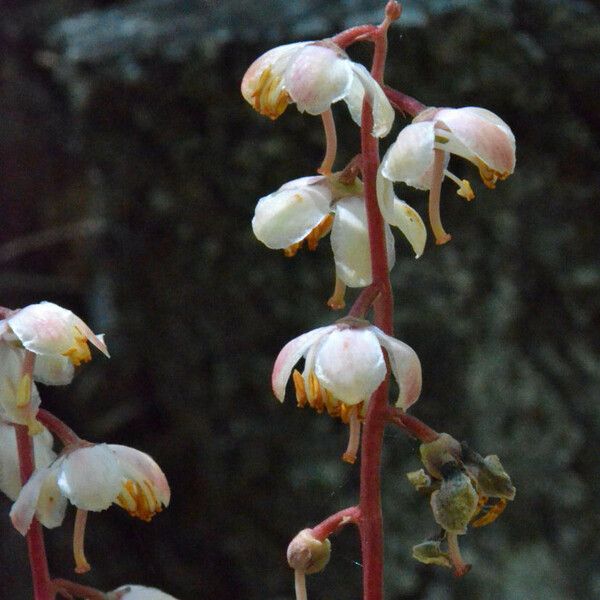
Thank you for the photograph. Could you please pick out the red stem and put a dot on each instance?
(77, 590)
(63, 432)
(402, 102)
(354, 34)
(363, 302)
(40, 575)
(413, 426)
(334, 522)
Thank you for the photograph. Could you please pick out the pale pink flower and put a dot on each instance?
(53, 333)
(314, 75)
(473, 133)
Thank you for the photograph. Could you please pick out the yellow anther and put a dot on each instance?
(79, 352)
(301, 398)
(491, 515)
(465, 190)
(138, 501)
(24, 391)
(489, 176)
(269, 98)
(293, 249)
(321, 230)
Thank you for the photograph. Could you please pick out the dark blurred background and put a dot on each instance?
(129, 171)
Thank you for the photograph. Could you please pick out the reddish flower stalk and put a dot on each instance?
(63, 432)
(40, 575)
(42, 589)
(402, 102)
(332, 523)
(364, 301)
(413, 426)
(70, 589)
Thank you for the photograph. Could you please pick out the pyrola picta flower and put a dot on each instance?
(306, 209)
(314, 75)
(420, 154)
(344, 365)
(10, 479)
(48, 330)
(91, 477)
(138, 592)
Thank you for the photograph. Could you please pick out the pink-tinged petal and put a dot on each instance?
(53, 370)
(350, 243)
(90, 477)
(317, 77)
(139, 592)
(291, 353)
(399, 214)
(288, 215)
(140, 467)
(23, 510)
(96, 340)
(410, 158)
(276, 58)
(483, 134)
(350, 364)
(383, 113)
(406, 367)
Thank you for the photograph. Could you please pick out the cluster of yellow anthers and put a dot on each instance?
(320, 399)
(139, 499)
(312, 238)
(491, 511)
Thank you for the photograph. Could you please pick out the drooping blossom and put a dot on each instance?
(10, 479)
(421, 152)
(53, 333)
(344, 365)
(91, 477)
(314, 75)
(138, 592)
(308, 208)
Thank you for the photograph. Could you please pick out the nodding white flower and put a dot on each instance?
(308, 208)
(420, 154)
(53, 333)
(10, 478)
(314, 75)
(138, 592)
(91, 477)
(344, 365)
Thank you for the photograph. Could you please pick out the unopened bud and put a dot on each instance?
(443, 450)
(308, 554)
(455, 503)
(430, 553)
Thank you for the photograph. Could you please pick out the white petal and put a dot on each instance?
(350, 243)
(51, 505)
(275, 59)
(140, 467)
(23, 510)
(399, 214)
(140, 592)
(410, 157)
(350, 364)
(383, 113)
(95, 340)
(291, 213)
(291, 353)
(316, 78)
(406, 367)
(480, 133)
(91, 478)
(53, 369)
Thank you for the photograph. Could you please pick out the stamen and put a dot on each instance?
(460, 566)
(330, 143)
(321, 230)
(337, 300)
(354, 439)
(464, 187)
(301, 398)
(24, 391)
(293, 249)
(269, 97)
(491, 515)
(135, 499)
(314, 393)
(81, 563)
(80, 351)
(441, 237)
(488, 175)
(300, 584)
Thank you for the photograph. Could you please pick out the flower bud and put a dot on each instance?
(430, 553)
(455, 503)
(308, 554)
(419, 480)
(441, 451)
